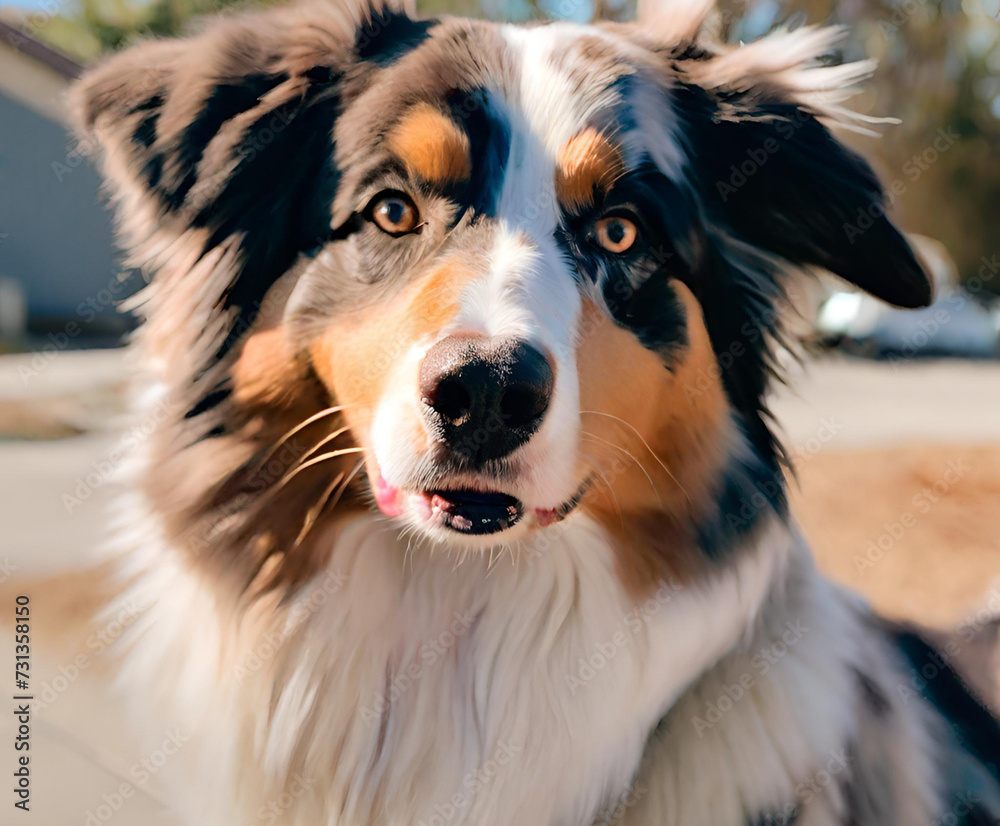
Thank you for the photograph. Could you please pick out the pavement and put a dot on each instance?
(878, 403)
(55, 496)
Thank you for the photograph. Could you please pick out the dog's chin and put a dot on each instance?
(477, 514)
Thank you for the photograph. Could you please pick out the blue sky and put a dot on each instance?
(54, 5)
(29, 4)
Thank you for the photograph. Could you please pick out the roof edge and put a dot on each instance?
(42, 52)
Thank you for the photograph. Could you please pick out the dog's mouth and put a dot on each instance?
(469, 511)
(474, 512)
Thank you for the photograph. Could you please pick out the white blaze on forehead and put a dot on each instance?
(556, 105)
(495, 305)
(549, 93)
(547, 105)
(531, 291)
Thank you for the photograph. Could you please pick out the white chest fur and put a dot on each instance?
(431, 692)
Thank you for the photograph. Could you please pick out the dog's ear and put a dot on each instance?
(227, 137)
(782, 182)
(179, 121)
(772, 172)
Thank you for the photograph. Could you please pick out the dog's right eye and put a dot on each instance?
(394, 213)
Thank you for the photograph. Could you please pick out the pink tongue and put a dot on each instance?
(387, 498)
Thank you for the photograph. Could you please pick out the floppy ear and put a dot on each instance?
(224, 141)
(771, 171)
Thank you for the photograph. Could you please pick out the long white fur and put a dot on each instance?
(509, 681)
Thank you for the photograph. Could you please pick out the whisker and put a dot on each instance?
(500, 551)
(323, 502)
(632, 457)
(646, 445)
(407, 534)
(347, 481)
(313, 513)
(599, 475)
(300, 426)
(611, 490)
(323, 457)
(325, 440)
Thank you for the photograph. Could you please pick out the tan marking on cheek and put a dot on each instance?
(431, 145)
(680, 437)
(267, 371)
(587, 162)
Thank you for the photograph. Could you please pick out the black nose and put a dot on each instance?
(484, 397)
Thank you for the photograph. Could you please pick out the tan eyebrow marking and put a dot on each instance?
(587, 162)
(431, 145)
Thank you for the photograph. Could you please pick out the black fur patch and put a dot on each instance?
(636, 285)
(872, 695)
(750, 488)
(769, 174)
(226, 102)
(279, 209)
(390, 35)
(782, 182)
(144, 136)
(788, 816)
(209, 401)
(489, 144)
(975, 729)
(738, 303)
(643, 301)
(145, 133)
(652, 311)
(151, 103)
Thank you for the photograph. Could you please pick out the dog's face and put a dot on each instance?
(535, 267)
(508, 281)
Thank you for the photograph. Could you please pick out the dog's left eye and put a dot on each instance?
(394, 213)
(616, 233)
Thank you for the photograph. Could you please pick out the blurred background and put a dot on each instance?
(892, 419)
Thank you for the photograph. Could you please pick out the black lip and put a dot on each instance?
(476, 513)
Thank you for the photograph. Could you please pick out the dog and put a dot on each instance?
(462, 503)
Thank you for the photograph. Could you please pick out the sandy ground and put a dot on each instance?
(915, 528)
(898, 489)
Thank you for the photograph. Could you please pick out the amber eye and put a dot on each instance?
(394, 212)
(616, 233)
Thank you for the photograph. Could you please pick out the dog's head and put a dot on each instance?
(531, 269)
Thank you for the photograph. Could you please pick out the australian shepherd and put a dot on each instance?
(464, 505)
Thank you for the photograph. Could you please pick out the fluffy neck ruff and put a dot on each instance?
(391, 688)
